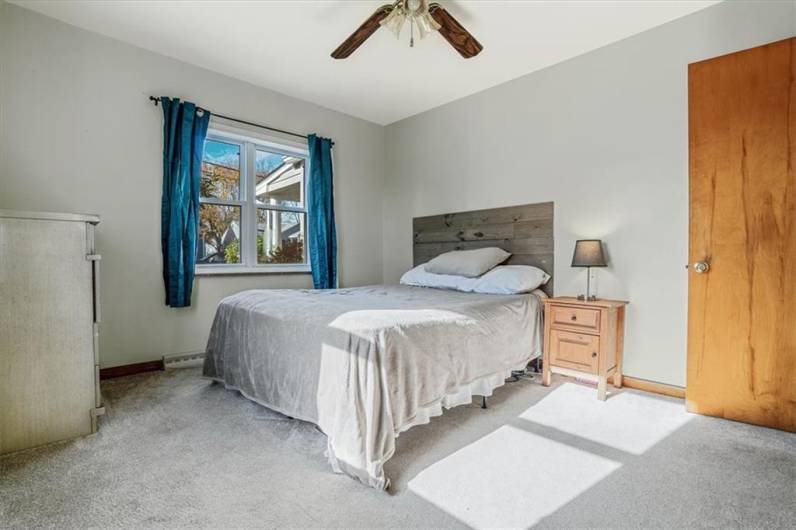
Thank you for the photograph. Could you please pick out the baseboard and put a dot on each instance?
(131, 369)
(180, 360)
(652, 386)
(183, 360)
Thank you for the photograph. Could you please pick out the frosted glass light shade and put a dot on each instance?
(394, 22)
(426, 24)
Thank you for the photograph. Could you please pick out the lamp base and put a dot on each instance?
(587, 297)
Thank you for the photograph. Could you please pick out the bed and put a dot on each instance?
(367, 363)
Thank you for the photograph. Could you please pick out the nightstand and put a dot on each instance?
(584, 339)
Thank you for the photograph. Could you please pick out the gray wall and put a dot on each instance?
(605, 136)
(78, 134)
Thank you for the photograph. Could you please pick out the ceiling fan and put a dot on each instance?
(427, 17)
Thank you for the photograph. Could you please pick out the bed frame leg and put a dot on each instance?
(483, 402)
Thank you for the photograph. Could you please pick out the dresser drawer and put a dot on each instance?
(576, 317)
(577, 351)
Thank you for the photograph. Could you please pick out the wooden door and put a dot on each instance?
(742, 310)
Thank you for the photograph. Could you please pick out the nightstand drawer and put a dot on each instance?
(575, 317)
(577, 351)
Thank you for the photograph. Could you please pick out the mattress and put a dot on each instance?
(366, 363)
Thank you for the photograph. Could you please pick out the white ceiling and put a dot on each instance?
(285, 45)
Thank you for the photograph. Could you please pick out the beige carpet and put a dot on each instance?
(177, 451)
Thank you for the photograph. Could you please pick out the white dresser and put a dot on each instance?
(49, 328)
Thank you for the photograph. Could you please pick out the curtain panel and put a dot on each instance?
(184, 131)
(320, 206)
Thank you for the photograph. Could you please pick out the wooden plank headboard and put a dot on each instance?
(526, 231)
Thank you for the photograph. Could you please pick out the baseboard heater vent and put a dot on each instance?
(183, 360)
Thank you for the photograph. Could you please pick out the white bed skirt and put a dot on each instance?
(483, 386)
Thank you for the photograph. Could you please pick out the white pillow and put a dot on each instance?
(511, 279)
(421, 278)
(467, 263)
(506, 279)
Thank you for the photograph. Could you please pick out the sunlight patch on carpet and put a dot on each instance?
(628, 421)
(510, 478)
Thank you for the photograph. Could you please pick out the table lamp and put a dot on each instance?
(588, 253)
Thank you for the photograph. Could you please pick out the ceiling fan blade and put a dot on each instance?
(454, 33)
(362, 33)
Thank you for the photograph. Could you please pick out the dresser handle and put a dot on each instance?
(594, 354)
(573, 317)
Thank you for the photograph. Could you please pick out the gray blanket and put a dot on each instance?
(367, 363)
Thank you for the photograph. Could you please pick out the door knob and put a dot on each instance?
(701, 267)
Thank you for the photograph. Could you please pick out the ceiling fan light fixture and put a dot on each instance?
(416, 12)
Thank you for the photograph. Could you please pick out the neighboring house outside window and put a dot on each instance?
(253, 214)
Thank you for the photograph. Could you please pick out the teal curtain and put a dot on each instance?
(320, 208)
(184, 132)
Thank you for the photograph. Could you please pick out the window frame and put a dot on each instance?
(250, 141)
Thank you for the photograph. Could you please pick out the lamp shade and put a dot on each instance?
(588, 253)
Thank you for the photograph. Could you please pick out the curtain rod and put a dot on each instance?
(156, 100)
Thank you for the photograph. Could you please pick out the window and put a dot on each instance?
(252, 213)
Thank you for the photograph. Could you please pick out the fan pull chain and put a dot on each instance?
(411, 32)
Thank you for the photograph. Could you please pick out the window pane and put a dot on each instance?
(219, 234)
(280, 236)
(280, 179)
(221, 171)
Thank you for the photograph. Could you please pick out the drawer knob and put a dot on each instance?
(594, 354)
(573, 317)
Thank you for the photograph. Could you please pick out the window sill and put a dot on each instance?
(235, 270)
